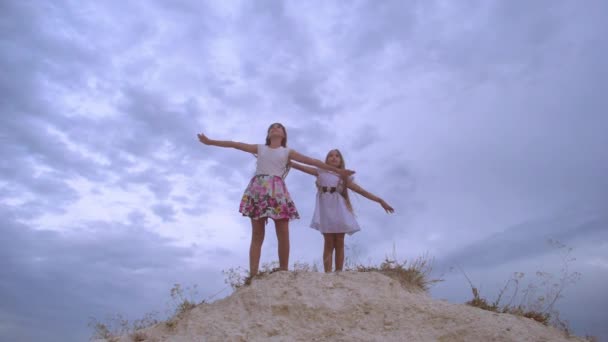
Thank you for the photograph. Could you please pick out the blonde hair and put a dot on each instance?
(343, 180)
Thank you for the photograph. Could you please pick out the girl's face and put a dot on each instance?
(276, 129)
(334, 159)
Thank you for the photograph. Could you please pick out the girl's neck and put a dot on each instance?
(275, 142)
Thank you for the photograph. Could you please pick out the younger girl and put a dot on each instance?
(333, 211)
(267, 196)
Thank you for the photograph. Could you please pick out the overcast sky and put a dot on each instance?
(483, 123)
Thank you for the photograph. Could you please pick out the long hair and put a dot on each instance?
(344, 179)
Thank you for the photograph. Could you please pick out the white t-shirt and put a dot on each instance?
(271, 161)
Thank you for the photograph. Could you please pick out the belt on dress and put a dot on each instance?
(329, 189)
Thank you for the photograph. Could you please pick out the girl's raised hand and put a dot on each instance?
(203, 138)
(386, 207)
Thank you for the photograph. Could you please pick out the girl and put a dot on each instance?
(266, 195)
(334, 215)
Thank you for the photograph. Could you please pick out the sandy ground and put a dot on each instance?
(347, 306)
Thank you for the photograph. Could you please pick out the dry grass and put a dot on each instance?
(412, 275)
(182, 302)
(238, 277)
(528, 302)
(520, 310)
(117, 326)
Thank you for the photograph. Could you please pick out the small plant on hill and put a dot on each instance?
(238, 277)
(302, 267)
(117, 325)
(412, 275)
(182, 303)
(537, 300)
(235, 277)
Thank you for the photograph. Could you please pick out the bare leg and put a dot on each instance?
(339, 241)
(282, 228)
(255, 250)
(328, 251)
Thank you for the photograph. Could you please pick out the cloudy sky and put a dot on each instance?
(483, 123)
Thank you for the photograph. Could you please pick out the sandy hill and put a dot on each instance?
(347, 306)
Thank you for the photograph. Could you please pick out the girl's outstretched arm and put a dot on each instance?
(227, 143)
(316, 162)
(356, 188)
(305, 169)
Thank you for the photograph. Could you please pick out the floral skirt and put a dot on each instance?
(267, 196)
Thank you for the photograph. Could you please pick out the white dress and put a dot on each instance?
(331, 214)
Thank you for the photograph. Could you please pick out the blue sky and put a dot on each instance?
(481, 122)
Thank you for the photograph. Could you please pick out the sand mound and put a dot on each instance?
(348, 306)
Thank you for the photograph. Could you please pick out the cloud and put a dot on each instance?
(528, 240)
(87, 272)
(166, 212)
